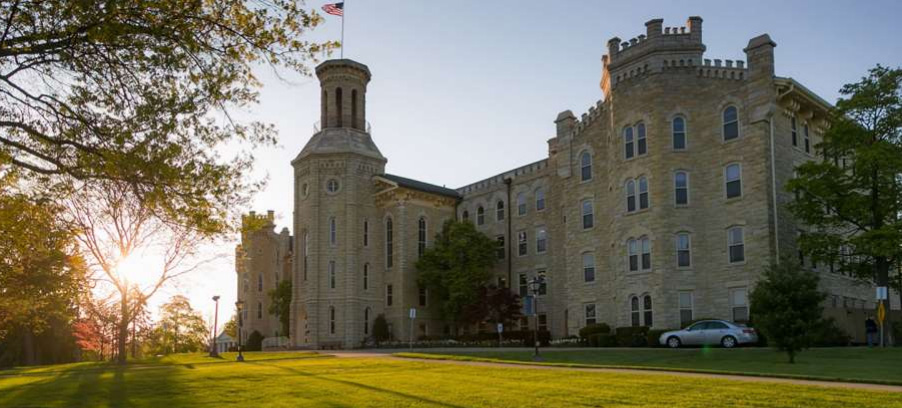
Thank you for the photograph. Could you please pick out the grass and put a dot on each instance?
(286, 381)
(853, 364)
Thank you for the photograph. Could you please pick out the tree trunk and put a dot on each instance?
(123, 329)
(28, 347)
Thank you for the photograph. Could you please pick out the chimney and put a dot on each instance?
(565, 122)
(695, 28)
(760, 56)
(653, 28)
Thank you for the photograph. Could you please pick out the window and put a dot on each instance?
(736, 244)
(331, 320)
(338, 106)
(421, 236)
(333, 231)
(589, 267)
(306, 252)
(794, 131)
(501, 248)
(524, 288)
(635, 315)
(585, 166)
(541, 240)
(259, 310)
(632, 251)
(643, 193)
(540, 199)
(628, 142)
(389, 243)
(388, 295)
(646, 311)
(332, 274)
(587, 212)
(465, 215)
(521, 204)
(332, 186)
(685, 308)
(645, 244)
(739, 304)
(366, 321)
(641, 146)
(679, 133)
(499, 211)
(543, 322)
(590, 314)
(259, 282)
(807, 139)
(422, 295)
(730, 123)
(353, 108)
(480, 215)
(366, 276)
(543, 287)
(681, 188)
(734, 180)
(684, 258)
(630, 196)
(522, 246)
(366, 233)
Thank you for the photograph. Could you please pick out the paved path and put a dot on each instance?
(832, 384)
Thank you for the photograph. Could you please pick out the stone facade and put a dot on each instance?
(262, 260)
(662, 203)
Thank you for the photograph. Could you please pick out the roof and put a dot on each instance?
(421, 186)
(805, 91)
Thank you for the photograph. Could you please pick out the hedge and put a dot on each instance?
(632, 336)
(598, 328)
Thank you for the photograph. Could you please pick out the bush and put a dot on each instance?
(897, 333)
(602, 340)
(254, 342)
(828, 335)
(632, 336)
(598, 328)
(654, 335)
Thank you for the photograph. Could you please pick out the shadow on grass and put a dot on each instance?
(357, 385)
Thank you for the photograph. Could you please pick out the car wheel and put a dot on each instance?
(728, 342)
(673, 342)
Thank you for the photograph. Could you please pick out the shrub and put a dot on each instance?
(602, 340)
(254, 342)
(828, 335)
(653, 335)
(598, 328)
(380, 329)
(632, 336)
(897, 333)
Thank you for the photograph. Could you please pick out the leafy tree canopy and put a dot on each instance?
(456, 267)
(494, 305)
(280, 305)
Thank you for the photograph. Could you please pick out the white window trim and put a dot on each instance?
(582, 215)
(744, 252)
(636, 132)
(633, 149)
(723, 135)
(677, 248)
(688, 195)
(725, 181)
(594, 268)
(581, 166)
(685, 133)
(545, 230)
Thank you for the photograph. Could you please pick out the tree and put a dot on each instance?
(852, 200)
(786, 306)
(254, 342)
(180, 330)
(380, 329)
(231, 327)
(457, 266)
(42, 274)
(280, 305)
(494, 305)
(141, 92)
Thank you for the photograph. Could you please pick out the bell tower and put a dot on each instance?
(343, 94)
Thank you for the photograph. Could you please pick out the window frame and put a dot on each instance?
(724, 124)
(641, 140)
(635, 311)
(522, 243)
(648, 318)
(389, 242)
(687, 250)
(631, 197)
(677, 188)
(632, 250)
(389, 294)
(422, 234)
(640, 181)
(585, 166)
(734, 306)
(794, 131)
(590, 214)
(629, 143)
(480, 215)
(366, 276)
(333, 231)
(590, 309)
(499, 211)
(681, 307)
(731, 244)
(541, 240)
(645, 254)
(333, 279)
(521, 204)
(727, 181)
(540, 199)
(673, 134)
(588, 267)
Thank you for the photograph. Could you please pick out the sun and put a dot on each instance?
(138, 269)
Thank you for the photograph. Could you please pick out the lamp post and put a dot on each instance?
(214, 351)
(240, 305)
(535, 284)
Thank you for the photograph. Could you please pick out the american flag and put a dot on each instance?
(336, 9)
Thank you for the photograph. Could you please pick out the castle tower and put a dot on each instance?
(333, 206)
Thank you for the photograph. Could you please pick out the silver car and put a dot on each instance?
(710, 332)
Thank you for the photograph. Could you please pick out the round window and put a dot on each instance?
(332, 186)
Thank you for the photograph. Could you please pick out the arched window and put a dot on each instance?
(641, 145)
(794, 130)
(733, 180)
(331, 320)
(354, 108)
(540, 199)
(338, 107)
(679, 133)
(681, 188)
(366, 276)
(632, 253)
(465, 215)
(630, 196)
(643, 193)
(730, 123)
(521, 204)
(306, 252)
(389, 242)
(421, 236)
(588, 214)
(645, 245)
(628, 143)
(499, 211)
(325, 103)
(646, 311)
(366, 321)
(634, 311)
(332, 277)
(333, 231)
(366, 233)
(683, 249)
(259, 310)
(585, 166)
(259, 282)
(480, 215)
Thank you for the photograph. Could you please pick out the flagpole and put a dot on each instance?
(344, 10)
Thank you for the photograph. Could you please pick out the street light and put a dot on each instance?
(536, 284)
(240, 305)
(214, 351)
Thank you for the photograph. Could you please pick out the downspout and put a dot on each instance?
(773, 179)
(510, 239)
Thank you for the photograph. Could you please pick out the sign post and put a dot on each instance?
(413, 316)
(500, 330)
(882, 296)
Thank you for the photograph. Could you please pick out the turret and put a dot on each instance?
(343, 94)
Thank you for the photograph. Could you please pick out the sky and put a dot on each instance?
(463, 90)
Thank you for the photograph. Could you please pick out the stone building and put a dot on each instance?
(660, 204)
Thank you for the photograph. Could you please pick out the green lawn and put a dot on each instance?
(192, 381)
(844, 363)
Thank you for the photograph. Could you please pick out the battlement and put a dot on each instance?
(657, 38)
(253, 221)
(499, 179)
